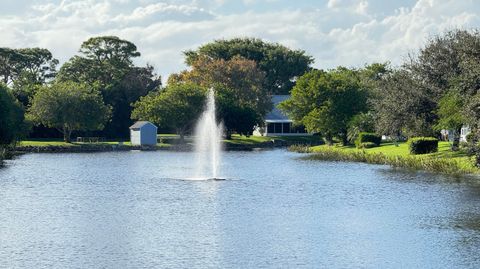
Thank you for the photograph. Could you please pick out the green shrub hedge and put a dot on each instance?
(367, 137)
(422, 145)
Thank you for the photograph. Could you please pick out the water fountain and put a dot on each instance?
(208, 135)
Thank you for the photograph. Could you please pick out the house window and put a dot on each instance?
(286, 128)
(277, 128)
(270, 128)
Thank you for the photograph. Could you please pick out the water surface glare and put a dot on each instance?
(133, 210)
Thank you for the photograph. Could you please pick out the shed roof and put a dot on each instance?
(139, 124)
(276, 115)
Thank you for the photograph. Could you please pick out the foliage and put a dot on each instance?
(326, 102)
(177, 107)
(108, 62)
(68, 107)
(237, 82)
(280, 64)
(12, 124)
(451, 115)
(366, 138)
(422, 145)
(362, 122)
(37, 62)
(402, 105)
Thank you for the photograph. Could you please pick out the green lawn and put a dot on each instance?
(61, 143)
(172, 138)
(251, 140)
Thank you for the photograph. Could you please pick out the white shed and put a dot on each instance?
(143, 133)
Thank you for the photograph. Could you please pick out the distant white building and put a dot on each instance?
(464, 132)
(277, 123)
(449, 134)
(143, 133)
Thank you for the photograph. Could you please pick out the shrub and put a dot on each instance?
(367, 137)
(423, 145)
(469, 137)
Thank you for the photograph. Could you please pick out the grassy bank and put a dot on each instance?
(443, 161)
(168, 141)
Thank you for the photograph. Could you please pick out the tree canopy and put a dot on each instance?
(280, 64)
(325, 102)
(241, 101)
(108, 62)
(177, 107)
(68, 107)
(12, 124)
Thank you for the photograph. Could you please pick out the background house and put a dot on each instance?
(143, 133)
(277, 123)
(447, 135)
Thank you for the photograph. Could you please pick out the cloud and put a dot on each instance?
(340, 32)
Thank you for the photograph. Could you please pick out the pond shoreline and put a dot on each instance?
(78, 148)
(441, 165)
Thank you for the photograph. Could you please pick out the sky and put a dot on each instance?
(349, 33)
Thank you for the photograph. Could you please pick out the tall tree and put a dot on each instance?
(326, 102)
(451, 115)
(108, 61)
(238, 83)
(69, 107)
(281, 65)
(12, 124)
(403, 106)
(176, 107)
(26, 69)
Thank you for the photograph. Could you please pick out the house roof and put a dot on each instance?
(139, 124)
(276, 115)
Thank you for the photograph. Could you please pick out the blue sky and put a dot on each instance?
(334, 32)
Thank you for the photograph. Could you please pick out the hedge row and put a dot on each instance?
(367, 140)
(422, 145)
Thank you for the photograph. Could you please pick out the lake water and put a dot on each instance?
(133, 210)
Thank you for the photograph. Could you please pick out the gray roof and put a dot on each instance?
(139, 124)
(276, 115)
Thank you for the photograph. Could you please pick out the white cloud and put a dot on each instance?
(345, 32)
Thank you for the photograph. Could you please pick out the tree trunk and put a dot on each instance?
(66, 134)
(329, 139)
(344, 139)
(456, 139)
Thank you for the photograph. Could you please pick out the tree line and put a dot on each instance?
(101, 91)
(435, 88)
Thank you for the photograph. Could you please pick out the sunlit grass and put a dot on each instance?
(445, 160)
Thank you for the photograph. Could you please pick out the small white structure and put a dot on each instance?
(464, 132)
(277, 123)
(448, 135)
(143, 133)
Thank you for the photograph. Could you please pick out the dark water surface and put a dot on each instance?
(131, 210)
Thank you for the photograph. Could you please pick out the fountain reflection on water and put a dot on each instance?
(208, 137)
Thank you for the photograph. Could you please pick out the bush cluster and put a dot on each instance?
(368, 140)
(422, 145)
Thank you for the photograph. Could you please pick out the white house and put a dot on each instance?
(277, 123)
(143, 133)
(449, 134)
